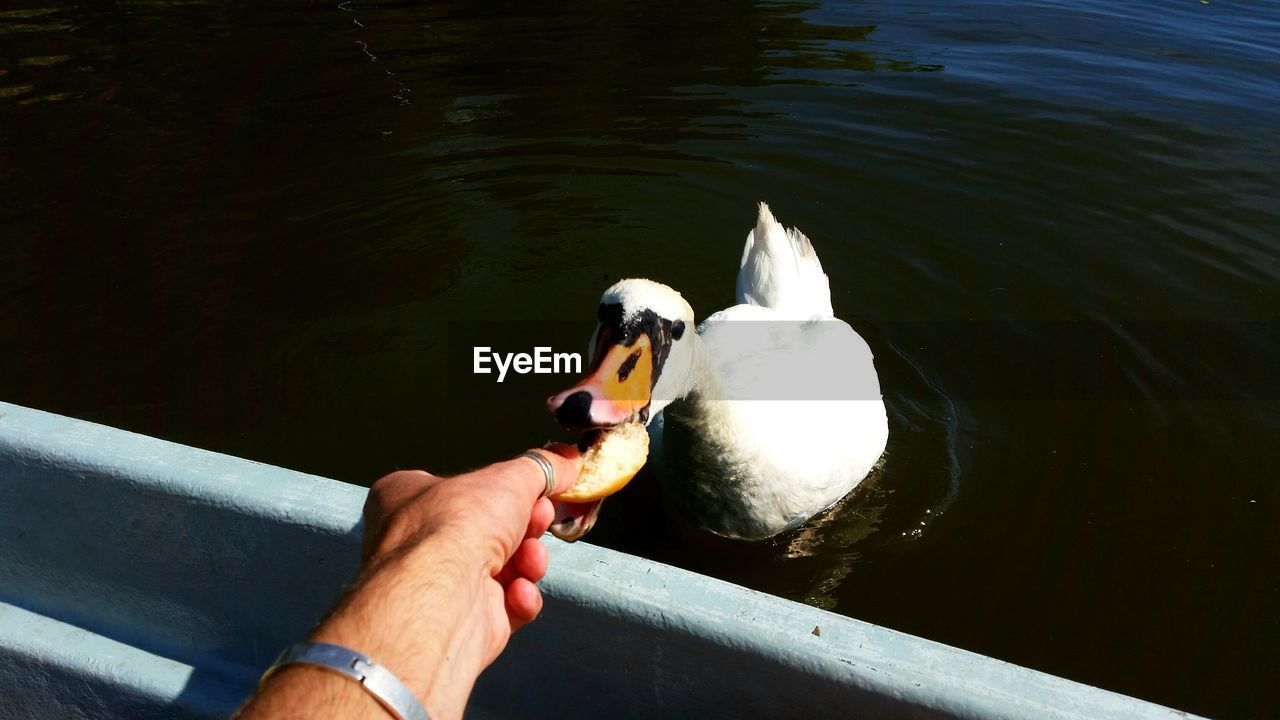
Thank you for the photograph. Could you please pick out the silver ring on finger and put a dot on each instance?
(547, 469)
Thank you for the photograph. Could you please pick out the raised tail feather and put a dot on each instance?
(781, 270)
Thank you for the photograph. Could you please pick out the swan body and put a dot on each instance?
(771, 411)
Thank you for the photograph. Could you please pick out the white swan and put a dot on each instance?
(765, 416)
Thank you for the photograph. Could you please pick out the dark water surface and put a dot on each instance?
(255, 229)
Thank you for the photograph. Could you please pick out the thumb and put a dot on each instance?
(566, 460)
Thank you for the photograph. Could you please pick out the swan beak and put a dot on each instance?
(615, 391)
(573, 520)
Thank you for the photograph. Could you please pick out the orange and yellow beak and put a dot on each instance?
(616, 389)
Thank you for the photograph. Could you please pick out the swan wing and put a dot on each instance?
(763, 354)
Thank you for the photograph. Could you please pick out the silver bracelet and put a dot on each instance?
(381, 683)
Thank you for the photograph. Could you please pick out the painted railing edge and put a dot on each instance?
(169, 467)
(654, 636)
(50, 668)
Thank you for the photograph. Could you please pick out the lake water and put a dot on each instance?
(256, 230)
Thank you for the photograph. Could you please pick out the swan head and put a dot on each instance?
(641, 358)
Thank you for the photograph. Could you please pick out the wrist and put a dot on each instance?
(301, 686)
(426, 587)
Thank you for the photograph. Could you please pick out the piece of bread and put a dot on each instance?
(608, 463)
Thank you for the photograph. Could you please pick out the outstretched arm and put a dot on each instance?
(448, 573)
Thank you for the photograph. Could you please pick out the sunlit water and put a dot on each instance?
(256, 230)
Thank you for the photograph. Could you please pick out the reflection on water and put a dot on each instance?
(252, 227)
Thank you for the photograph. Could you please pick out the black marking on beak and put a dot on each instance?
(661, 334)
(624, 370)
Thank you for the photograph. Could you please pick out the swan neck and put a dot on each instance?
(702, 373)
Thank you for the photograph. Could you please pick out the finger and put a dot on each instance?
(540, 519)
(531, 479)
(567, 461)
(530, 560)
(524, 602)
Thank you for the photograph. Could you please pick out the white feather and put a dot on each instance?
(636, 294)
(781, 270)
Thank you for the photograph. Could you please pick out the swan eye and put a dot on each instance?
(677, 329)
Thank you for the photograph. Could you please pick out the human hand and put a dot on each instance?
(486, 518)
(448, 572)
